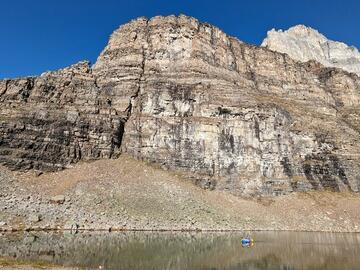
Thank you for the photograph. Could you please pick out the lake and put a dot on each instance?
(200, 251)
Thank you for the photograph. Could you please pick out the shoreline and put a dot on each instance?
(18, 230)
(129, 195)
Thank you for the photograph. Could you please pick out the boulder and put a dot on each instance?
(59, 199)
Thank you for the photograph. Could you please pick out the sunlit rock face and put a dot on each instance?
(304, 43)
(186, 96)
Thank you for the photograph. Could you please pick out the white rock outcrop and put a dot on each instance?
(182, 94)
(303, 43)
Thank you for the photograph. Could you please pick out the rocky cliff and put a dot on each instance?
(184, 95)
(55, 119)
(304, 43)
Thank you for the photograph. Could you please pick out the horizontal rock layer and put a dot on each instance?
(186, 96)
(56, 119)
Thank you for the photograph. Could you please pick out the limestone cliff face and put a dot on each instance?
(304, 43)
(186, 96)
(56, 119)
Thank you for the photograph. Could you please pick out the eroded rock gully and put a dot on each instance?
(183, 94)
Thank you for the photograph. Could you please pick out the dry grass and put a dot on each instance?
(12, 264)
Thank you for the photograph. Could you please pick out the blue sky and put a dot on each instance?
(41, 35)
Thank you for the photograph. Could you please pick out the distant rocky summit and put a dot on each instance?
(184, 95)
(304, 43)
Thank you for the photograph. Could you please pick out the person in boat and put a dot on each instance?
(247, 241)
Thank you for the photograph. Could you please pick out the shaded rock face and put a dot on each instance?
(186, 96)
(304, 43)
(56, 119)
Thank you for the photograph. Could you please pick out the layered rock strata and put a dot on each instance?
(56, 119)
(186, 96)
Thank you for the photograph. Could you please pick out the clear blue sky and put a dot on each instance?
(40, 35)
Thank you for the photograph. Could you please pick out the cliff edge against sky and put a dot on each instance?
(184, 95)
(304, 43)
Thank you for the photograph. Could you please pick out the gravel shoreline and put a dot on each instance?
(127, 195)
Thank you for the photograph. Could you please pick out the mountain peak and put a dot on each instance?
(304, 43)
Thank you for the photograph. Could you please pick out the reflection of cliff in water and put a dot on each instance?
(187, 251)
(269, 262)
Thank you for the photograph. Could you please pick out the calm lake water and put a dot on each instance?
(200, 251)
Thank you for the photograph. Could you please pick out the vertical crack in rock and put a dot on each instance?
(252, 130)
(328, 50)
(135, 96)
(250, 72)
(325, 76)
(5, 87)
(234, 67)
(135, 99)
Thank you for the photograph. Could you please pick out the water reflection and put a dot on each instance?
(137, 250)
